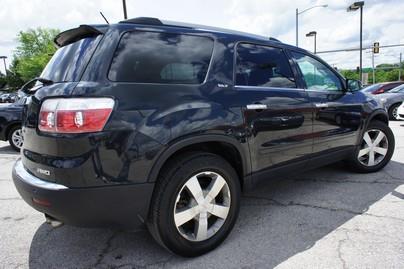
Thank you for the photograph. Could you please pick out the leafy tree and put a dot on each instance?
(35, 49)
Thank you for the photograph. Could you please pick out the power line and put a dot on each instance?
(356, 49)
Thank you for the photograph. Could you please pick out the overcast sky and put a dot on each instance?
(336, 28)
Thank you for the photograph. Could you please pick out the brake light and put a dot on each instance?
(75, 115)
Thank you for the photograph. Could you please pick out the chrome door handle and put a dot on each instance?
(256, 106)
(321, 105)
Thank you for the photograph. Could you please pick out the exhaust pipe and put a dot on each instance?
(53, 222)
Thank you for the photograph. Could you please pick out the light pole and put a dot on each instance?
(125, 14)
(297, 20)
(355, 6)
(4, 61)
(313, 33)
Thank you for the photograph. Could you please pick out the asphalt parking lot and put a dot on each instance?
(326, 218)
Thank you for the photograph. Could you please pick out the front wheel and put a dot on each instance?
(195, 204)
(393, 111)
(375, 149)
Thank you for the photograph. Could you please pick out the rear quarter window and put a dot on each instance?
(155, 57)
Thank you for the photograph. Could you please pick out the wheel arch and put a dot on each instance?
(380, 115)
(218, 144)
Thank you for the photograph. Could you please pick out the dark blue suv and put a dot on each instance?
(165, 124)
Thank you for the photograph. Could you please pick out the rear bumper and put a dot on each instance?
(122, 206)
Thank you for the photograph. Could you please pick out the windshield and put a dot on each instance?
(371, 88)
(398, 89)
(68, 63)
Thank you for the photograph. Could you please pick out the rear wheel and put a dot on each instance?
(375, 150)
(15, 138)
(393, 112)
(195, 204)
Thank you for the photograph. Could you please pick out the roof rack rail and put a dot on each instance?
(144, 20)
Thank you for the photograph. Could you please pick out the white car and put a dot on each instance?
(400, 112)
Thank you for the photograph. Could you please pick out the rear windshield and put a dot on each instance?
(371, 88)
(151, 57)
(68, 63)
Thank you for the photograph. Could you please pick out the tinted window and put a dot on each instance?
(263, 66)
(69, 61)
(317, 75)
(150, 57)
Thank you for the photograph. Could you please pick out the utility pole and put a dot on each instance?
(373, 66)
(355, 6)
(125, 15)
(399, 68)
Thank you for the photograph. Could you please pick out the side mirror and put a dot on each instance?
(353, 85)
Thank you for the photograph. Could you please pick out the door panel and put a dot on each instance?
(278, 115)
(280, 133)
(337, 113)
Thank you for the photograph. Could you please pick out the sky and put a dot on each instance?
(335, 27)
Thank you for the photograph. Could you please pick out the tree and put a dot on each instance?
(33, 52)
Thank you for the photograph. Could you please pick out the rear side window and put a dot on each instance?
(263, 66)
(69, 61)
(151, 57)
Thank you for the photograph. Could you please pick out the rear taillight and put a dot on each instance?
(75, 115)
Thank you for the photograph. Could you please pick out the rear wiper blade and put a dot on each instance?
(44, 81)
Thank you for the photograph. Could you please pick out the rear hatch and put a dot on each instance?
(51, 155)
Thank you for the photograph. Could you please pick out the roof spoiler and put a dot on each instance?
(75, 34)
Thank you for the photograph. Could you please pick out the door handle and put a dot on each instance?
(321, 105)
(256, 106)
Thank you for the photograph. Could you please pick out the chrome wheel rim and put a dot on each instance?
(202, 206)
(374, 147)
(17, 138)
(394, 112)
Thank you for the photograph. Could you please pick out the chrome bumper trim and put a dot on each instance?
(22, 174)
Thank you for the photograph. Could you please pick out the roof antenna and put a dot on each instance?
(104, 17)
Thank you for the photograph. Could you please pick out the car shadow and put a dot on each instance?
(278, 220)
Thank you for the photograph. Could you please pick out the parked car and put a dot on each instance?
(392, 100)
(379, 88)
(10, 124)
(164, 124)
(8, 98)
(400, 112)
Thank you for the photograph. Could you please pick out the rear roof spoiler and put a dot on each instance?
(75, 34)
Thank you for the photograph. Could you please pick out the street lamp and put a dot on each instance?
(313, 33)
(297, 20)
(4, 61)
(355, 6)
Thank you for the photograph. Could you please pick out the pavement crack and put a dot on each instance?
(292, 203)
(340, 243)
(106, 249)
(349, 181)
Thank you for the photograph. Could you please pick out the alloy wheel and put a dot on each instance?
(17, 138)
(394, 112)
(374, 147)
(202, 206)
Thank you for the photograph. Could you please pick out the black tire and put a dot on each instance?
(171, 180)
(391, 111)
(354, 162)
(10, 138)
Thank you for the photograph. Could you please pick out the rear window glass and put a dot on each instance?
(151, 57)
(68, 63)
(263, 66)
